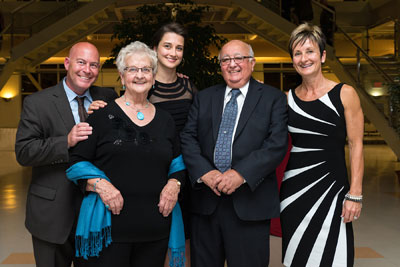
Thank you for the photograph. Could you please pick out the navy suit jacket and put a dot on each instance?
(259, 146)
(53, 201)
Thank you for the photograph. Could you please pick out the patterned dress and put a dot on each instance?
(315, 184)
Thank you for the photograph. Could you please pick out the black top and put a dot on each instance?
(136, 159)
(175, 98)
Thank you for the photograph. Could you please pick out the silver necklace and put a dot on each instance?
(139, 114)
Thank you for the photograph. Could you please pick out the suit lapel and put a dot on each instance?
(217, 105)
(63, 107)
(252, 98)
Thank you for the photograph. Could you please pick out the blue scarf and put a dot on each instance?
(176, 244)
(94, 222)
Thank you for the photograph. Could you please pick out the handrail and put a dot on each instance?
(324, 7)
(67, 5)
(367, 57)
(384, 20)
(18, 9)
(5, 29)
(10, 26)
(23, 6)
(274, 6)
(12, 17)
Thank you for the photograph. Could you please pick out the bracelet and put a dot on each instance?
(357, 199)
(176, 181)
(94, 185)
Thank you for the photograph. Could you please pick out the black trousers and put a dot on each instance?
(54, 255)
(137, 254)
(223, 235)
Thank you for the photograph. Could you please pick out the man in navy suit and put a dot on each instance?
(232, 207)
(50, 124)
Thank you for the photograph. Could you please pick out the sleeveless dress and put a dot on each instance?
(176, 98)
(315, 183)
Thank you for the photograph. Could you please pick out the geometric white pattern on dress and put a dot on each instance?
(291, 173)
(289, 200)
(318, 249)
(301, 149)
(301, 112)
(298, 234)
(340, 258)
(297, 130)
(327, 101)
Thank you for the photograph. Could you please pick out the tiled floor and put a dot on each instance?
(377, 232)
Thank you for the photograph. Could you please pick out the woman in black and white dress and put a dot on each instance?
(318, 203)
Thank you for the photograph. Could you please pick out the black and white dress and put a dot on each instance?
(315, 184)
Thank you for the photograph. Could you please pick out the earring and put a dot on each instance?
(123, 87)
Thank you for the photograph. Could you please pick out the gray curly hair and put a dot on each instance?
(136, 47)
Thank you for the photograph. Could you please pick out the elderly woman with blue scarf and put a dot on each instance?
(133, 172)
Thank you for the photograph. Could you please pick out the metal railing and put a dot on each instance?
(53, 13)
(370, 60)
(63, 11)
(273, 5)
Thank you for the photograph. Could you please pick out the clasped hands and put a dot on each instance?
(226, 182)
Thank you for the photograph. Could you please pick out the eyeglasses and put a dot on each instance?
(92, 65)
(135, 70)
(237, 59)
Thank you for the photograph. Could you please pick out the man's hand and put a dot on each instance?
(211, 179)
(229, 182)
(180, 75)
(96, 105)
(78, 133)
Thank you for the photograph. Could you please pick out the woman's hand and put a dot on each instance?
(96, 105)
(351, 211)
(169, 196)
(110, 195)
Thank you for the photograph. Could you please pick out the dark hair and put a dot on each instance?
(170, 27)
(304, 32)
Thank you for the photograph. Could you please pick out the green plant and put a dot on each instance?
(202, 68)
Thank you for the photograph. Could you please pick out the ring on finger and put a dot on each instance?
(355, 217)
(107, 207)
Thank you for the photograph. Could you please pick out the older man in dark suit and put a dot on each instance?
(235, 137)
(51, 123)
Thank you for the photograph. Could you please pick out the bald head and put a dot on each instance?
(83, 46)
(238, 64)
(237, 43)
(82, 65)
